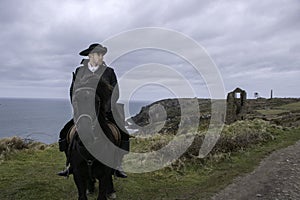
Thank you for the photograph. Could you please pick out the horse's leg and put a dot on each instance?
(110, 192)
(103, 181)
(91, 185)
(105, 185)
(102, 190)
(109, 184)
(81, 184)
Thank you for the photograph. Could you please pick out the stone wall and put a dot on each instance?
(236, 105)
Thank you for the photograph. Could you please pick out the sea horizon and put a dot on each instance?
(41, 119)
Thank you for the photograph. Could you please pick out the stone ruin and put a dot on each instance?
(236, 105)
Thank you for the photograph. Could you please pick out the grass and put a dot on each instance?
(30, 174)
(281, 109)
(271, 111)
(291, 106)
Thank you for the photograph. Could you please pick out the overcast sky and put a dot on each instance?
(254, 44)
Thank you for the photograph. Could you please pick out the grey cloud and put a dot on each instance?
(40, 41)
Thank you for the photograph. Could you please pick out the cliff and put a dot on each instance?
(166, 114)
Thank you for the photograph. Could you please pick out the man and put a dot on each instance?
(96, 65)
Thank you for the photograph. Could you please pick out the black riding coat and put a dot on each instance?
(108, 77)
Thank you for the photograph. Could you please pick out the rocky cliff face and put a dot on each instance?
(164, 116)
(167, 115)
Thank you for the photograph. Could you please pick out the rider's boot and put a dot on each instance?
(119, 172)
(66, 172)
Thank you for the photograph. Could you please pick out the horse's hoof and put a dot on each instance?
(111, 195)
(88, 192)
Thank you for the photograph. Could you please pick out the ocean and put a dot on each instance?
(41, 119)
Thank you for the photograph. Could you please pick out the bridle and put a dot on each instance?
(97, 100)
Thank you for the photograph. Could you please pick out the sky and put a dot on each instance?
(255, 45)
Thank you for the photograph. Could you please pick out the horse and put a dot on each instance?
(88, 110)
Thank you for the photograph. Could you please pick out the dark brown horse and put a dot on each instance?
(92, 153)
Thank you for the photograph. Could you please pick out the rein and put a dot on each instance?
(84, 115)
(84, 88)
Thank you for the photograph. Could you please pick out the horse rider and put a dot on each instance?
(96, 65)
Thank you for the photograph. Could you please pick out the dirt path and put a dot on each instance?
(276, 178)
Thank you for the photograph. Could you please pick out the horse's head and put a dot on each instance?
(90, 95)
(84, 111)
(84, 102)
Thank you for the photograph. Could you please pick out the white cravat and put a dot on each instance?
(92, 68)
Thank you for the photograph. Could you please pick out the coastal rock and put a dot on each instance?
(169, 113)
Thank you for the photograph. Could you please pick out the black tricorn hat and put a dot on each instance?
(94, 48)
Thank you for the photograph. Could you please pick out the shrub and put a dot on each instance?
(13, 144)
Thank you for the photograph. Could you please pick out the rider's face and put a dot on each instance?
(96, 58)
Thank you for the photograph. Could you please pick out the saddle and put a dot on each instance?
(71, 134)
(116, 132)
(114, 129)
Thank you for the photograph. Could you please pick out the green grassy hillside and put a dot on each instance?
(281, 109)
(30, 171)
